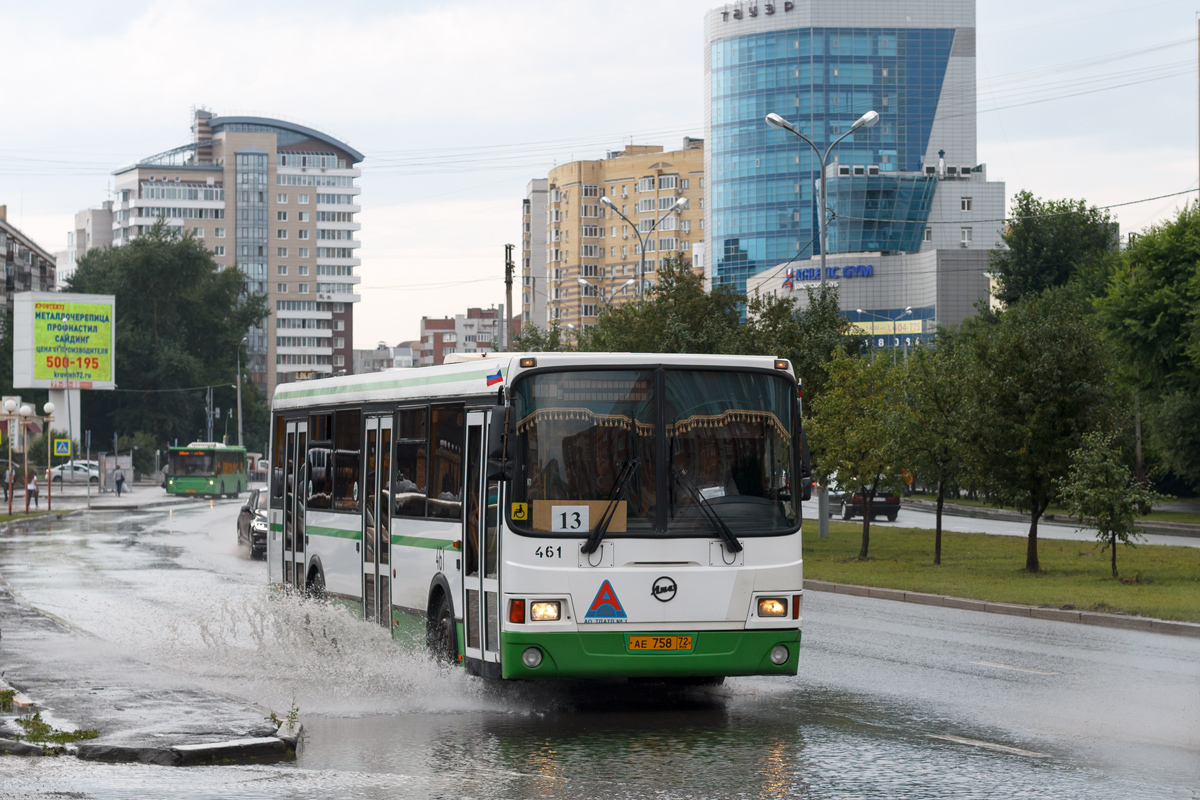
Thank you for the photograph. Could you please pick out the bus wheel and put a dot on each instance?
(314, 587)
(441, 635)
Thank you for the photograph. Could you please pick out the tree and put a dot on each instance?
(852, 431)
(929, 423)
(1047, 243)
(676, 316)
(1101, 491)
(180, 320)
(807, 337)
(1038, 380)
(533, 339)
(1151, 312)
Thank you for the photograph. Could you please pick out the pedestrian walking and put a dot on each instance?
(9, 477)
(119, 479)
(31, 491)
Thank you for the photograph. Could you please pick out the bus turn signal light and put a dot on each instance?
(781, 363)
(516, 612)
(528, 363)
(544, 612)
(772, 607)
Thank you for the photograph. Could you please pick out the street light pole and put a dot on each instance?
(607, 299)
(866, 120)
(25, 412)
(239, 388)
(679, 205)
(10, 406)
(49, 409)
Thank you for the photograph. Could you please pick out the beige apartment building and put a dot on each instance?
(279, 200)
(593, 254)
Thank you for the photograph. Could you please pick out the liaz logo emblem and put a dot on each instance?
(606, 607)
(664, 589)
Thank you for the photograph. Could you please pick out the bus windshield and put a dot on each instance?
(191, 465)
(725, 437)
(729, 440)
(578, 431)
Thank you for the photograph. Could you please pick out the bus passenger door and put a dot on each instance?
(377, 595)
(481, 616)
(295, 563)
(295, 496)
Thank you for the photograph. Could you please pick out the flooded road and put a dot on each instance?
(892, 700)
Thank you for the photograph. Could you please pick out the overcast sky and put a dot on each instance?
(458, 104)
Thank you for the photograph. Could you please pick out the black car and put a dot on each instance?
(849, 505)
(252, 523)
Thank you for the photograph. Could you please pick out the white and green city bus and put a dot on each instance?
(553, 515)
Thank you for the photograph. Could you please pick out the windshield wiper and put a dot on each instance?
(731, 542)
(597, 533)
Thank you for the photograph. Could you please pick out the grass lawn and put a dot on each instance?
(1156, 581)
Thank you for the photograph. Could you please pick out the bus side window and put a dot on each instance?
(277, 463)
(347, 460)
(446, 476)
(412, 448)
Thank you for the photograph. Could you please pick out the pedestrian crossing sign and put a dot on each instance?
(62, 447)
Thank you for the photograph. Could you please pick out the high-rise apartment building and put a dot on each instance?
(593, 256)
(533, 254)
(910, 209)
(279, 201)
(28, 267)
(93, 229)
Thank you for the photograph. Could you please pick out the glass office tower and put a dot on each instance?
(822, 65)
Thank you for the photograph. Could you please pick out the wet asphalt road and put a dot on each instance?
(892, 700)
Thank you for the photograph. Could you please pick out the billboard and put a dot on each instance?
(64, 341)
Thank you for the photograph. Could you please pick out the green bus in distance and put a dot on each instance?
(207, 468)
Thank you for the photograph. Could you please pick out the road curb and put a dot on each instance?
(1148, 624)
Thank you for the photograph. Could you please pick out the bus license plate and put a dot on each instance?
(668, 642)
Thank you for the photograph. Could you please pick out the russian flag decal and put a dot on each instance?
(492, 380)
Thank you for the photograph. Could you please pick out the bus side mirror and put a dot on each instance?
(499, 449)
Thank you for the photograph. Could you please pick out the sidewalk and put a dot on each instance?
(955, 510)
(142, 713)
(141, 495)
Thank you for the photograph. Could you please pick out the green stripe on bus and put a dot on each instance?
(399, 383)
(277, 526)
(422, 541)
(339, 533)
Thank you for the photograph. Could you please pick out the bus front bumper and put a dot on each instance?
(605, 654)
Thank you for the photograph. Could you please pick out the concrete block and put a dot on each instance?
(963, 603)
(1060, 614)
(1006, 608)
(1176, 628)
(820, 586)
(264, 748)
(117, 754)
(923, 598)
(1117, 621)
(12, 747)
(849, 588)
(887, 594)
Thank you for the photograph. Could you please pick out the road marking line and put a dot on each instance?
(1010, 666)
(999, 748)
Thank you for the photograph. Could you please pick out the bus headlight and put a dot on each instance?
(544, 611)
(210, 481)
(772, 607)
